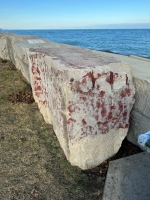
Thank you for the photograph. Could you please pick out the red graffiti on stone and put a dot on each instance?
(105, 111)
(92, 110)
(38, 72)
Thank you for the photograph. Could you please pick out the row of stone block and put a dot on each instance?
(86, 95)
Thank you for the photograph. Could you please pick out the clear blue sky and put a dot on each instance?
(63, 14)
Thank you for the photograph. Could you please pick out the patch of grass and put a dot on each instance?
(32, 164)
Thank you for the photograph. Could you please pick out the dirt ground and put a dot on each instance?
(32, 164)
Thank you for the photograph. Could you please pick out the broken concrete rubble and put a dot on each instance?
(87, 96)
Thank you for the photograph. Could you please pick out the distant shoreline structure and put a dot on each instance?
(1, 29)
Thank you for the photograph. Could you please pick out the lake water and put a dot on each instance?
(121, 41)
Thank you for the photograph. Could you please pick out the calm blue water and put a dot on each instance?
(122, 41)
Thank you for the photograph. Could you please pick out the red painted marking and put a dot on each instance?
(103, 126)
(33, 68)
(84, 122)
(102, 93)
(109, 116)
(83, 98)
(83, 134)
(103, 111)
(125, 92)
(44, 102)
(111, 77)
(37, 88)
(38, 71)
(98, 104)
(112, 107)
(124, 114)
(90, 128)
(38, 78)
(99, 75)
(71, 108)
(120, 106)
(83, 81)
(71, 64)
(71, 121)
(96, 117)
(91, 76)
(98, 87)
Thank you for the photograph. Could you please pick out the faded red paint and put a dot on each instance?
(110, 78)
(71, 109)
(102, 93)
(120, 106)
(84, 122)
(96, 117)
(83, 98)
(103, 110)
(38, 88)
(98, 104)
(112, 107)
(90, 128)
(90, 75)
(70, 121)
(109, 116)
(38, 78)
(126, 92)
(124, 114)
(98, 87)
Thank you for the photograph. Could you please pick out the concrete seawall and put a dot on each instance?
(86, 95)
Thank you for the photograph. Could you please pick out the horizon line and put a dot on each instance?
(74, 28)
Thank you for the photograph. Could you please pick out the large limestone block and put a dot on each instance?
(87, 96)
(12, 49)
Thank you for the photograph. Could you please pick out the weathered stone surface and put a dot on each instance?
(11, 50)
(85, 95)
